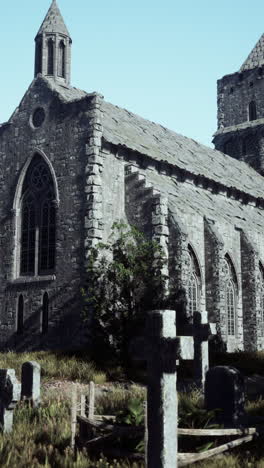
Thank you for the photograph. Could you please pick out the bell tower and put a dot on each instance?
(53, 47)
(240, 132)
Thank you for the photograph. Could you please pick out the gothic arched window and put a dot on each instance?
(252, 111)
(45, 314)
(230, 296)
(61, 60)
(38, 222)
(261, 297)
(50, 57)
(20, 315)
(193, 284)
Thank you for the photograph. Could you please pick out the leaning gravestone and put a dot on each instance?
(10, 389)
(225, 390)
(31, 382)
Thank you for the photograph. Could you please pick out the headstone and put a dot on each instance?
(31, 382)
(10, 389)
(202, 330)
(225, 390)
(192, 348)
(162, 405)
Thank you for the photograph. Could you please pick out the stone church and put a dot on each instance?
(71, 164)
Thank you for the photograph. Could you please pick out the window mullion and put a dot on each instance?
(36, 251)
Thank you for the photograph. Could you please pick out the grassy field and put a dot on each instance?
(41, 437)
(55, 366)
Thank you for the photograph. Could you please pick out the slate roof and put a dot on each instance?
(65, 93)
(256, 56)
(189, 199)
(121, 127)
(53, 21)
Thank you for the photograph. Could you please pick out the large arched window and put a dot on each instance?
(230, 296)
(252, 111)
(20, 315)
(61, 60)
(193, 284)
(261, 297)
(50, 57)
(38, 220)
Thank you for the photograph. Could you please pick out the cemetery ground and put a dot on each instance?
(41, 437)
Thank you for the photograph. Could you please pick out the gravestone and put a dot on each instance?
(202, 330)
(162, 407)
(10, 389)
(31, 382)
(225, 390)
(192, 348)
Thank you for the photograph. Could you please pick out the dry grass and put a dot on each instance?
(55, 366)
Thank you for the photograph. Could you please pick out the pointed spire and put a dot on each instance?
(256, 56)
(53, 47)
(53, 21)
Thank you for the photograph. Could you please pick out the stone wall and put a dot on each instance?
(235, 92)
(62, 140)
(238, 135)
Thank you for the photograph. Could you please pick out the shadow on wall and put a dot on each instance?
(64, 330)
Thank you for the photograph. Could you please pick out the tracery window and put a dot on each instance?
(50, 57)
(230, 296)
(261, 297)
(38, 222)
(193, 284)
(252, 111)
(20, 315)
(61, 60)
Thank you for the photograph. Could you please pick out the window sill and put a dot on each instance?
(33, 279)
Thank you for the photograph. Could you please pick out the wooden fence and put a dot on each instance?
(83, 416)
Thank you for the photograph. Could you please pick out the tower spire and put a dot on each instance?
(256, 56)
(53, 47)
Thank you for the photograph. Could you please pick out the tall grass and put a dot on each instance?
(41, 438)
(54, 366)
(118, 400)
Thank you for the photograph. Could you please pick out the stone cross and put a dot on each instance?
(193, 348)
(10, 390)
(225, 390)
(31, 382)
(202, 329)
(162, 408)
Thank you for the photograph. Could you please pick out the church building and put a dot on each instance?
(71, 164)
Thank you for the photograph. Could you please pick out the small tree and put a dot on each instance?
(124, 280)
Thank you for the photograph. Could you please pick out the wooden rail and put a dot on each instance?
(89, 425)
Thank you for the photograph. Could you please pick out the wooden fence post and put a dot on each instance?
(91, 400)
(83, 405)
(146, 431)
(73, 415)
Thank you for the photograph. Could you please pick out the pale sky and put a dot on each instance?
(160, 60)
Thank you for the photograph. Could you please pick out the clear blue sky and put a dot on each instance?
(159, 59)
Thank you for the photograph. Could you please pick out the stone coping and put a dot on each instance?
(32, 279)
